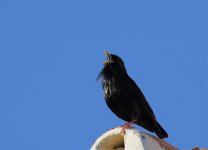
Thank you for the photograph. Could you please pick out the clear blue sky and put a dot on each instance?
(51, 52)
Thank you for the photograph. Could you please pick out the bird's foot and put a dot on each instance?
(127, 125)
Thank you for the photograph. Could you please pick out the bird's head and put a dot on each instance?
(112, 59)
(113, 70)
(113, 66)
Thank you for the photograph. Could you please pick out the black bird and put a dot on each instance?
(124, 97)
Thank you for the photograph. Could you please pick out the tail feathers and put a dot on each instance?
(161, 133)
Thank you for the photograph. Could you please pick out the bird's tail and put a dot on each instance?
(161, 133)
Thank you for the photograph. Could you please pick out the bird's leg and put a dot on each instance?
(125, 126)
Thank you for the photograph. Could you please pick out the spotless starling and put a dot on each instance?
(124, 97)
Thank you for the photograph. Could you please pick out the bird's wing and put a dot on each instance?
(140, 98)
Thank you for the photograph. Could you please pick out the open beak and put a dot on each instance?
(108, 58)
(107, 54)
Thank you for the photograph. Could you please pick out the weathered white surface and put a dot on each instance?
(131, 140)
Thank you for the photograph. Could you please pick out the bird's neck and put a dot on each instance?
(114, 73)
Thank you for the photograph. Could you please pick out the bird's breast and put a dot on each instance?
(106, 90)
(111, 88)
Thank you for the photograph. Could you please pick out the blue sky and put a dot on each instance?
(52, 51)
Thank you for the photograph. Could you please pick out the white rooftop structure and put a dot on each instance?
(131, 140)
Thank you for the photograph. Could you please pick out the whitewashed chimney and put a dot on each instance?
(131, 140)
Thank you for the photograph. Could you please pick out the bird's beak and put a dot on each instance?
(108, 57)
(107, 54)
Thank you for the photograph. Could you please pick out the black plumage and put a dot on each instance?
(124, 97)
